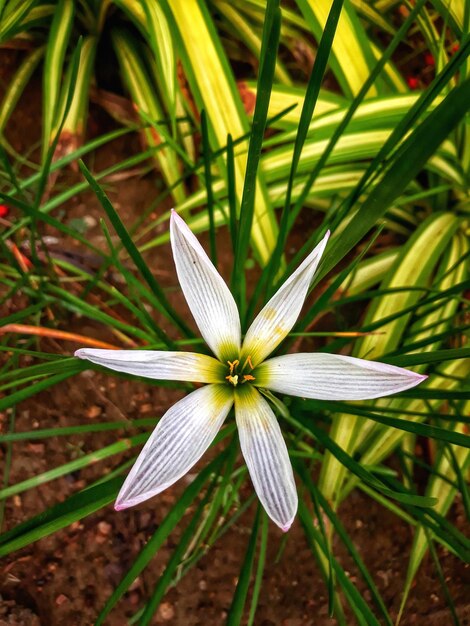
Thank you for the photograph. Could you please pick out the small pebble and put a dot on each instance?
(93, 411)
(61, 598)
(90, 221)
(105, 528)
(166, 611)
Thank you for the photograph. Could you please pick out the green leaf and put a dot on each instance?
(53, 519)
(131, 248)
(72, 466)
(318, 547)
(359, 470)
(66, 431)
(57, 44)
(206, 154)
(352, 56)
(415, 151)
(214, 89)
(12, 17)
(308, 108)
(174, 562)
(437, 356)
(159, 537)
(31, 390)
(259, 569)
(235, 613)
(271, 32)
(17, 84)
(343, 535)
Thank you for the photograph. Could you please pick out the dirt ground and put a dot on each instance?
(66, 578)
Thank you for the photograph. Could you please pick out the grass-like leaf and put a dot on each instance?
(157, 539)
(414, 153)
(235, 613)
(118, 225)
(59, 516)
(269, 48)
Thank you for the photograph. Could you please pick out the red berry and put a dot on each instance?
(413, 82)
(429, 59)
(4, 210)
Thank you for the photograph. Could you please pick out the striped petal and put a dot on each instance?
(180, 439)
(333, 377)
(207, 295)
(266, 456)
(279, 315)
(188, 366)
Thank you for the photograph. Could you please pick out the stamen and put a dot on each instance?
(233, 365)
(247, 377)
(248, 362)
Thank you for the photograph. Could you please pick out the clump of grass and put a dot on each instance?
(373, 160)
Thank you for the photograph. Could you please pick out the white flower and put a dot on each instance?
(187, 429)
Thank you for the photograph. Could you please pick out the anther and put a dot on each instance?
(247, 377)
(248, 362)
(233, 365)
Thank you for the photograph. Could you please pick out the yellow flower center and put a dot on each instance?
(234, 375)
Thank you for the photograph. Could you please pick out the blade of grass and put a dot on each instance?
(51, 121)
(414, 152)
(72, 466)
(54, 518)
(423, 430)
(177, 556)
(316, 543)
(159, 537)
(235, 613)
(67, 431)
(56, 334)
(12, 18)
(231, 194)
(341, 532)
(401, 495)
(270, 43)
(311, 96)
(31, 390)
(213, 87)
(259, 569)
(358, 99)
(135, 255)
(58, 41)
(207, 158)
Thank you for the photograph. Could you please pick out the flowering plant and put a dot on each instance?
(238, 375)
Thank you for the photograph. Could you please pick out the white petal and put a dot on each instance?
(180, 439)
(206, 293)
(279, 315)
(333, 377)
(266, 456)
(188, 366)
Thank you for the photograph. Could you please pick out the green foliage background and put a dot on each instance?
(347, 140)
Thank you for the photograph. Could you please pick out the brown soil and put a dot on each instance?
(65, 579)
